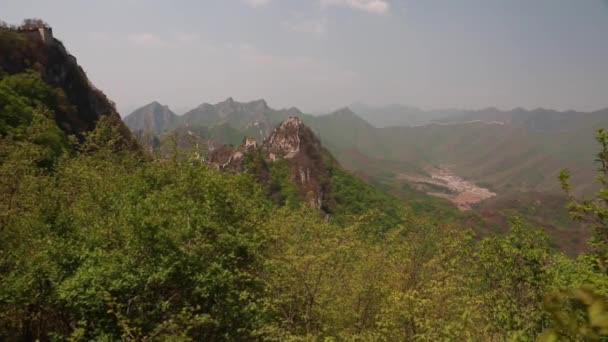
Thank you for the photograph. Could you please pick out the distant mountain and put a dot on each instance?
(152, 117)
(254, 118)
(506, 151)
(399, 115)
(539, 119)
(509, 151)
(344, 130)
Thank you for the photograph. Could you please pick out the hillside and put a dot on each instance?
(485, 154)
(506, 151)
(79, 105)
(295, 168)
(268, 238)
(518, 154)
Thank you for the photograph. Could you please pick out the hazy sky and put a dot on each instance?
(322, 54)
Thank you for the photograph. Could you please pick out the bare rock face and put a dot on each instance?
(250, 143)
(285, 139)
(297, 144)
(232, 158)
(291, 142)
(226, 158)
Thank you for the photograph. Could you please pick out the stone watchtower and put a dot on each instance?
(42, 33)
(46, 34)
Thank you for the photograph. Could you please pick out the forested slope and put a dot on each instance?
(99, 242)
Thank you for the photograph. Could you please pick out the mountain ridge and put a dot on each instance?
(153, 117)
(505, 150)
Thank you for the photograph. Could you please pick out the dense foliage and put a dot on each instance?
(98, 243)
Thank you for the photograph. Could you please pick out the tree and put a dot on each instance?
(106, 245)
(593, 211)
(513, 278)
(33, 23)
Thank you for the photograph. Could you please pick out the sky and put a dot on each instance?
(320, 55)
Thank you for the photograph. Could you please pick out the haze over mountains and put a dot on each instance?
(153, 117)
(399, 115)
(505, 150)
(490, 161)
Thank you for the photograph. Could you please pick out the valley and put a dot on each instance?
(486, 163)
(443, 183)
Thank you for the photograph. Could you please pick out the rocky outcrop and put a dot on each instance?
(285, 139)
(308, 159)
(227, 157)
(231, 158)
(291, 142)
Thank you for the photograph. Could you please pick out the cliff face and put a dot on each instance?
(291, 142)
(37, 49)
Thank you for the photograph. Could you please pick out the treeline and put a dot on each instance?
(27, 24)
(101, 243)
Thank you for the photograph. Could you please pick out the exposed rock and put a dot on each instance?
(222, 158)
(250, 143)
(292, 142)
(285, 139)
(308, 159)
(228, 157)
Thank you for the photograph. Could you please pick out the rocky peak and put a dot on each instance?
(293, 111)
(259, 105)
(205, 106)
(296, 143)
(346, 111)
(156, 104)
(153, 117)
(285, 139)
(291, 142)
(230, 105)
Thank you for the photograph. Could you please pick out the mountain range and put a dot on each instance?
(236, 221)
(507, 151)
(400, 115)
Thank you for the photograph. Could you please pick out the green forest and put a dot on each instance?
(102, 242)
(103, 239)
